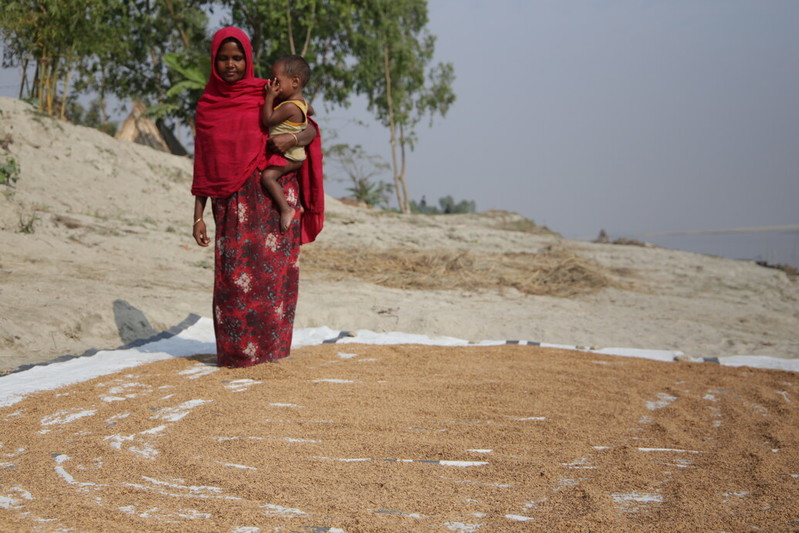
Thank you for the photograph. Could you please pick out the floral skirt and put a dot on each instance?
(256, 274)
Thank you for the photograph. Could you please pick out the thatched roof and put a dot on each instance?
(141, 129)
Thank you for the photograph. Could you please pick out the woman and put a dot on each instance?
(255, 265)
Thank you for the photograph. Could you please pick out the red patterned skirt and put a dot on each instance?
(256, 274)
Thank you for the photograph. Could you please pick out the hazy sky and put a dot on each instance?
(633, 116)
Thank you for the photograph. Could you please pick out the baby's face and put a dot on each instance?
(286, 84)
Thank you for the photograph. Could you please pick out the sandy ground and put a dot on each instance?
(96, 229)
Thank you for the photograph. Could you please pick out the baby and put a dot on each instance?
(290, 74)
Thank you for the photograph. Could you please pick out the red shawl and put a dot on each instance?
(230, 143)
(312, 192)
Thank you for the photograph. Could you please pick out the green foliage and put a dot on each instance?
(157, 52)
(109, 47)
(318, 30)
(195, 75)
(131, 64)
(360, 169)
(447, 206)
(27, 222)
(394, 51)
(344, 42)
(186, 92)
(57, 37)
(373, 194)
(91, 117)
(9, 171)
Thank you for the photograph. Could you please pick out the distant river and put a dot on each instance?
(779, 245)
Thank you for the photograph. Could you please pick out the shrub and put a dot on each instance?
(9, 171)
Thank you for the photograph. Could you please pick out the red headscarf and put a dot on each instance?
(230, 142)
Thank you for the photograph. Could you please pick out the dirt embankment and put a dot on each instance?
(93, 225)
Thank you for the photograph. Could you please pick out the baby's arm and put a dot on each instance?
(272, 117)
(270, 92)
(287, 111)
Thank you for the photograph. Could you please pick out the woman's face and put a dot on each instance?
(230, 62)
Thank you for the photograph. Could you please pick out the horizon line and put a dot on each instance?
(751, 229)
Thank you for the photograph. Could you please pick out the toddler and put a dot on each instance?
(290, 74)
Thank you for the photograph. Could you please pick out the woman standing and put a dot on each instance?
(256, 270)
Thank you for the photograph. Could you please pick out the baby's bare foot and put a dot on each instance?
(286, 218)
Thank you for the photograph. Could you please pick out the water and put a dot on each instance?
(776, 247)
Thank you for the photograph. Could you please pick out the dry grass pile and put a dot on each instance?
(554, 272)
(791, 271)
(505, 220)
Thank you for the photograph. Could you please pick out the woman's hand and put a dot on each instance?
(282, 142)
(201, 233)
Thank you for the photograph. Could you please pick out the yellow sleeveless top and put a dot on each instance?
(295, 153)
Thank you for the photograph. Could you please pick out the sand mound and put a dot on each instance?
(92, 221)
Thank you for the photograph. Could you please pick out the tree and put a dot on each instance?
(394, 50)
(361, 168)
(110, 46)
(318, 30)
(186, 92)
(131, 64)
(156, 51)
(90, 117)
(56, 37)
(447, 206)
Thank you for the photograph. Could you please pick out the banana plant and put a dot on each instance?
(194, 78)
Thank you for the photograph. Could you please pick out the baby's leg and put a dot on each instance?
(269, 181)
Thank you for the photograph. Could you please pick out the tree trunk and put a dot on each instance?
(308, 31)
(65, 94)
(35, 86)
(406, 208)
(159, 90)
(290, 30)
(42, 82)
(401, 197)
(256, 35)
(181, 30)
(49, 85)
(24, 80)
(103, 111)
(65, 90)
